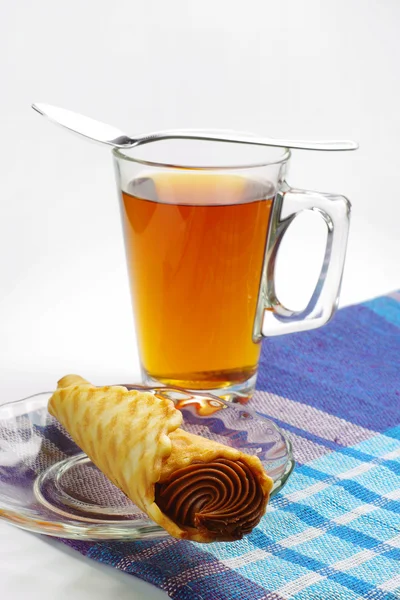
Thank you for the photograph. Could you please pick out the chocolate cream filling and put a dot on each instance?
(222, 498)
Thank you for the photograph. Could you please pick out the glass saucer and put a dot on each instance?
(47, 485)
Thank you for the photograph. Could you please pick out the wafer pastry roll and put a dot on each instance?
(193, 487)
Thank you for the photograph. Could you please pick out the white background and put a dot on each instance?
(311, 69)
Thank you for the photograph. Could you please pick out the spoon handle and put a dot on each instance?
(227, 136)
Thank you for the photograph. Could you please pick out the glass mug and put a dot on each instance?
(202, 225)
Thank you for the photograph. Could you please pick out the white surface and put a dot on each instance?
(38, 567)
(286, 69)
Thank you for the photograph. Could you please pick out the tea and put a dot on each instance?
(195, 246)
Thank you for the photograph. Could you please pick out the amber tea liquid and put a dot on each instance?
(195, 246)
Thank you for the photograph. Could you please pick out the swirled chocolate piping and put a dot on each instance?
(222, 498)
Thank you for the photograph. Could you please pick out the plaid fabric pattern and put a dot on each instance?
(334, 532)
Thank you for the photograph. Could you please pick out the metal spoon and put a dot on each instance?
(106, 134)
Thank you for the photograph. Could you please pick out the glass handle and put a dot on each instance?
(273, 317)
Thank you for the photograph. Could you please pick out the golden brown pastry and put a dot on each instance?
(193, 487)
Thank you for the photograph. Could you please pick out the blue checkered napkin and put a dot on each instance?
(334, 532)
